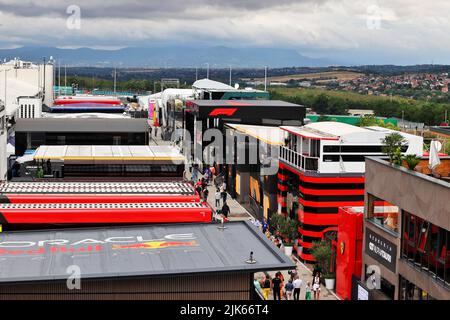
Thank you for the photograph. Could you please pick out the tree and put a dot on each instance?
(392, 146)
(323, 253)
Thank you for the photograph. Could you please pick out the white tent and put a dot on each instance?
(434, 160)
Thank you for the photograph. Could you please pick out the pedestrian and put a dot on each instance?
(265, 225)
(257, 285)
(217, 197)
(223, 190)
(276, 287)
(278, 242)
(266, 287)
(280, 275)
(297, 287)
(288, 288)
(308, 291)
(316, 286)
(225, 210)
(317, 269)
(194, 174)
(198, 187)
(205, 195)
(293, 273)
(204, 183)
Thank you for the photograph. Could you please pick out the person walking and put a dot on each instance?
(266, 287)
(217, 197)
(257, 285)
(223, 191)
(316, 286)
(276, 287)
(280, 275)
(288, 288)
(205, 194)
(308, 291)
(198, 187)
(297, 287)
(225, 210)
(265, 225)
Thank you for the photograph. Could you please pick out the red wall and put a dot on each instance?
(348, 260)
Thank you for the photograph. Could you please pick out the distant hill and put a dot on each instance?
(170, 57)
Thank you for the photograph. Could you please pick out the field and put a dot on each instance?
(336, 75)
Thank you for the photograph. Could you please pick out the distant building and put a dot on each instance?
(27, 86)
(360, 112)
(3, 143)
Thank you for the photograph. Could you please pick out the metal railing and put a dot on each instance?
(298, 160)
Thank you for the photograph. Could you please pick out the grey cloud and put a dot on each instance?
(140, 9)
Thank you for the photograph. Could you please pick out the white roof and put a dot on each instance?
(326, 130)
(207, 84)
(269, 135)
(87, 115)
(113, 153)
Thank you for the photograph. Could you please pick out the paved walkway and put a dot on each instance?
(306, 275)
(239, 213)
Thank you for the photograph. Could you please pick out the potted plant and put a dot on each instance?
(392, 146)
(323, 254)
(289, 229)
(412, 161)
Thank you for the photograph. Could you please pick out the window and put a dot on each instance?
(383, 213)
(426, 247)
(409, 291)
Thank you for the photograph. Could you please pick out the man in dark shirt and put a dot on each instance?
(276, 287)
(225, 210)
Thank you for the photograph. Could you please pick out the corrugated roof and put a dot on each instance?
(81, 125)
(269, 135)
(137, 251)
(116, 153)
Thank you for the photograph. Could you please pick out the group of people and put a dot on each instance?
(291, 289)
(201, 186)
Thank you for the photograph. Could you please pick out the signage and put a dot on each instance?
(363, 293)
(381, 250)
(222, 112)
(53, 246)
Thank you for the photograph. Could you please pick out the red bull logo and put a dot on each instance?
(157, 245)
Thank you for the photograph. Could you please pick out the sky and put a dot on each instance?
(352, 31)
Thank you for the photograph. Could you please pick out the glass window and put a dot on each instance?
(426, 247)
(409, 291)
(383, 213)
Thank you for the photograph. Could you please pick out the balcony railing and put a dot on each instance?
(298, 160)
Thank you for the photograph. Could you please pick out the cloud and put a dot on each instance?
(366, 30)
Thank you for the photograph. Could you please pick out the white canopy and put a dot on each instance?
(434, 160)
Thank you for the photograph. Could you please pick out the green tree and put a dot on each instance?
(392, 146)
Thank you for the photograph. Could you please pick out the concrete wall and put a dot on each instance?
(413, 192)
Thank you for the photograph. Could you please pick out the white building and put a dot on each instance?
(25, 86)
(3, 143)
(334, 147)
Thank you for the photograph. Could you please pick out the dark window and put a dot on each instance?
(426, 247)
(352, 149)
(347, 158)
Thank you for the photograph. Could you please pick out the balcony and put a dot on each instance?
(299, 161)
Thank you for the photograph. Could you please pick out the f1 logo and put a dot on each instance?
(223, 112)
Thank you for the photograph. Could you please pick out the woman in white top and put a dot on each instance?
(316, 286)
